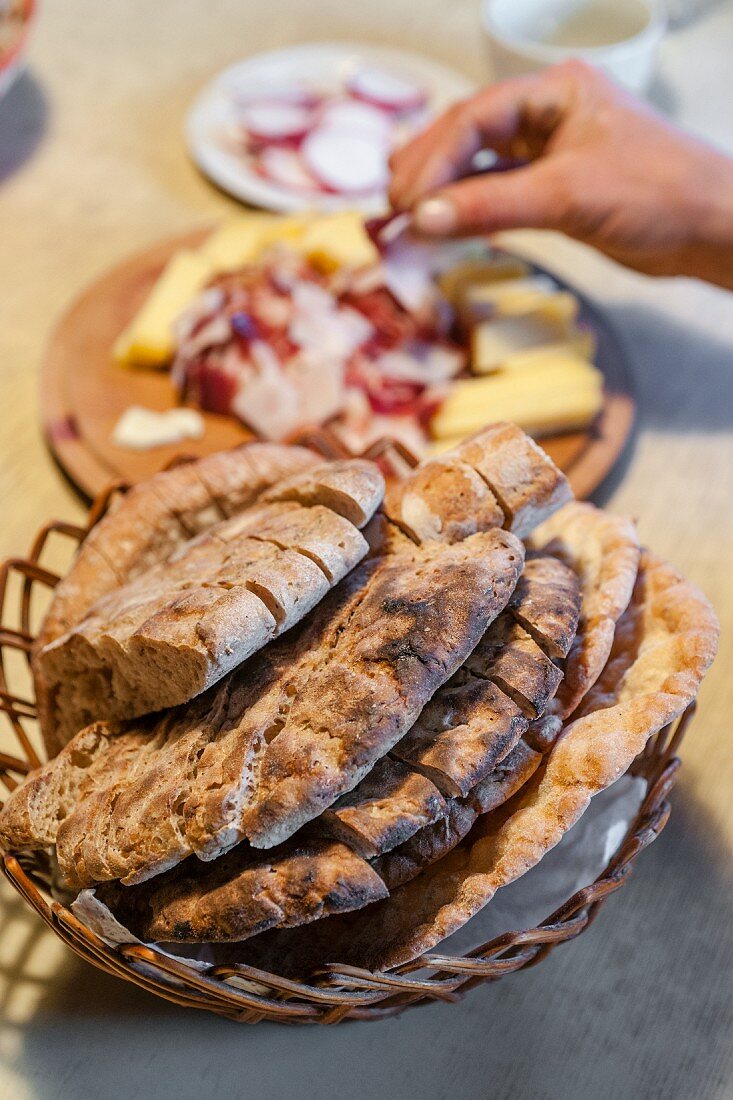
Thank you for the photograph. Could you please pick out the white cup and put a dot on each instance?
(619, 36)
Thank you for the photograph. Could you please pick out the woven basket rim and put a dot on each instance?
(335, 992)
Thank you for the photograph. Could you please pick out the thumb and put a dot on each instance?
(531, 197)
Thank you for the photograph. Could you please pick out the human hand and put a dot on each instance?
(600, 166)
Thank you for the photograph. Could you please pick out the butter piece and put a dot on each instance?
(563, 395)
(148, 339)
(140, 429)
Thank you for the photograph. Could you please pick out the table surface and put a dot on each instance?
(92, 166)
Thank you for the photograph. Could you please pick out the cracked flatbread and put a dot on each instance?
(604, 552)
(665, 642)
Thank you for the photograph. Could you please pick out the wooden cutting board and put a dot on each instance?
(84, 392)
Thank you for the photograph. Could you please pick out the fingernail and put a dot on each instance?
(437, 216)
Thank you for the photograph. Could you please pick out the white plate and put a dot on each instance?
(213, 114)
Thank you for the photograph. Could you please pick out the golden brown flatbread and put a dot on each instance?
(289, 732)
(604, 552)
(246, 892)
(152, 520)
(664, 644)
(179, 626)
(144, 527)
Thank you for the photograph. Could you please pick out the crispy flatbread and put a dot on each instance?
(334, 486)
(391, 804)
(275, 743)
(665, 642)
(422, 613)
(527, 484)
(444, 499)
(475, 719)
(604, 552)
(153, 520)
(433, 842)
(245, 892)
(179, 627)
(144, 527)
(463, 732)
(499, 478)
(547, 602)
(395, 813)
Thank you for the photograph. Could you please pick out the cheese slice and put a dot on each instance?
(464, 277)
(482, 301)
(242, 240)
(338, 240)
(561, 395)
(148, 339)
(496, 340)
(582, 343)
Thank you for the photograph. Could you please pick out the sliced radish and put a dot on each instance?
(344, 161)
(275, 122)
(349, 114)
(285, 167)
(386, 90)
(382, 231)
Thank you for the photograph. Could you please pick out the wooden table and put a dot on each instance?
(92, 166)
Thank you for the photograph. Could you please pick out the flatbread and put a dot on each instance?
(463, 732)
(526, 483)
(274, 744)
(604, 552)
(665, 642)
(498, 478)
(444, 499)
(153, 519)
(475, 719)
(433, 842)
(180, 626)
(348, 487)
(246, 892)
(391, 804)
(547, 603)
(144, 527)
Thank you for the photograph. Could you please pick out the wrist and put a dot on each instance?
(708, 253)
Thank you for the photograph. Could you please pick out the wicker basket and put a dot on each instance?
(242, 992)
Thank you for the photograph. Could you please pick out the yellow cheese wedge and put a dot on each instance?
(581, 343)
(338, 240)
(457, 281)
(482, 301)
(148, 339)
(242, 240)
(495, 341)
(558, 397)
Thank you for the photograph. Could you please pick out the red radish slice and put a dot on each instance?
(382, 231)
(386, 90)
(274, 122)
(285, 167)
(344, 161)
(348, 114)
